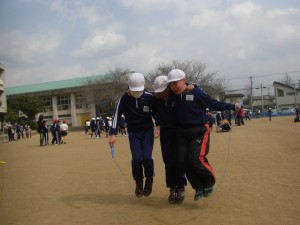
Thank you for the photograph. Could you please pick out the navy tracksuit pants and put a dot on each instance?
(175, 176)
(141, 146)
(193, 144)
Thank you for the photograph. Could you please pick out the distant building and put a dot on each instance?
(63, 99)
(233, 98)
(3, 103)
(263, 102)
(286, 96)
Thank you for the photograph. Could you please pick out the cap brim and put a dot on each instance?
(162, 88)
(172, 80)
(141, 88)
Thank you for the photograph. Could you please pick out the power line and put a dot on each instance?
(261, 75)
(269, 75)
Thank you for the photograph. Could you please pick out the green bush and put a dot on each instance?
(13, 119)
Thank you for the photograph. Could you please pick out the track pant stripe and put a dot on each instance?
(203, 151)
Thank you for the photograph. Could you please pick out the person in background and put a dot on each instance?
(247, 114)
(297, 113)
(211, 120)
(238, 117)
(93, 127)
(28, 132)
(45, 133)
(123, 125)
(64, 129)
(40, 128)
(219, 118)
(102, 125)
(88, 127)
(250, 114)
(228, 116)
(98, 128)
(10, 132)
(242, 115)
(18, 131)
(258, 115)
(107, 125)
(55, 130)
(223, 127)
(22, 132)
(270, 114)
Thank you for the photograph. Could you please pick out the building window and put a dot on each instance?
(81, 101)
(66, 117)
(280, 93)
(290, 93)
(47, 104)
(63, 102)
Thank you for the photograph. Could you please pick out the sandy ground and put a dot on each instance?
(257, 168)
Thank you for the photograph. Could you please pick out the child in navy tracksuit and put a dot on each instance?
(93, 127)
(211, 120)
(45, 132)
(136, 105)
(223, 127)
(164, 107)
(55, 130)
(123, 125)
(193, 132)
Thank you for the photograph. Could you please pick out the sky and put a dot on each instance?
(48, 40)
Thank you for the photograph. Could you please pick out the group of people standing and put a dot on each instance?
(58, 129)
(17, 132)
(179, 113)
(97, 126)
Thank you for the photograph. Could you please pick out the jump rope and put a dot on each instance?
(119, 168)
(226, 164)
(217, 187)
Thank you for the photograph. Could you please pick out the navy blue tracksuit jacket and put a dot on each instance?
(194, 135)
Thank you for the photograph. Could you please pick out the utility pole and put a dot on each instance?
(262, 98)
(251, 98)
(295, 94)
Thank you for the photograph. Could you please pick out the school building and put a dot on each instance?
(286, 96)
(63, 99)
(3, 103)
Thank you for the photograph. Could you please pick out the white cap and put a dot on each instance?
(93, 118)
(136, 82)
(97, 118)
(160, 83)
(176, 75)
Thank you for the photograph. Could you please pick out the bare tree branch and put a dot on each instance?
(195, 73)
(287, 80)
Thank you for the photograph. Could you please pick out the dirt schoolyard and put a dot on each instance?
(257, 167)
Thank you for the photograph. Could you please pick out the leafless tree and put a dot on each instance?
(195, 73)
(105, 91)
(287, 80)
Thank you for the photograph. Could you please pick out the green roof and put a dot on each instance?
(53, 85)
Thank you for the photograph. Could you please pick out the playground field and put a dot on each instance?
(257, 167)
